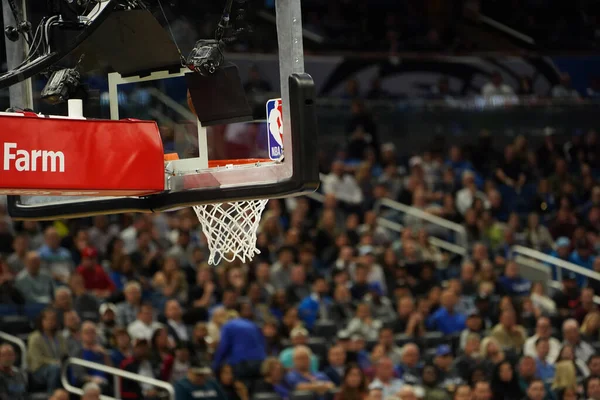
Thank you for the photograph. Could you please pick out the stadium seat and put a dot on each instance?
(434, 339)
(401, 339)
(302, 395)
(15, 325)
(266, 396)
(9, 310)
(318, 347)
(325, 329)
(34, 309)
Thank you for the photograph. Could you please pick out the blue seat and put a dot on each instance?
(33, 310)
(16, 324)
(9, 310)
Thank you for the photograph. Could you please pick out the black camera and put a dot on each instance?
(61, 85)
(206, 57)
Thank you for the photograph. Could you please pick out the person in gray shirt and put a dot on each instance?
(34, 285)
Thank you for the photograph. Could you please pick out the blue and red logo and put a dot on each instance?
(275, 128)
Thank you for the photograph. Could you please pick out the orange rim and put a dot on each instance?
(222, 163)
(239, 161)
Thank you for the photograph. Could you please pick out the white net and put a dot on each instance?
(230, 229)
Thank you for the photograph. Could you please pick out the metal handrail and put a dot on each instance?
(394, 226)
(561, 264)
(118, 373)
(20, 344)
(461, 232)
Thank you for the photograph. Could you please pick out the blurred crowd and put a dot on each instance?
(335, 306)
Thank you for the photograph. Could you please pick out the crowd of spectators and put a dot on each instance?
(335, 304)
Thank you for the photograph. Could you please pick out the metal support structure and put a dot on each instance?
(291, 60)
(21, 94)
(118, 373)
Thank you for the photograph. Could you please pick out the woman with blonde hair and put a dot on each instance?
(565, 376)
(591, 326)
(491, 353)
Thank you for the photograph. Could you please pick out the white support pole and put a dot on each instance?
(113, 94)
(75, 108)
(202, 146)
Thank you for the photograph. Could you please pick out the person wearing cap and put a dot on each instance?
(94, 276)
(298, 337)
(448, 375)
(198, 384)
(108, 314)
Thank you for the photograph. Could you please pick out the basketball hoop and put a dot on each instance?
(230, 227)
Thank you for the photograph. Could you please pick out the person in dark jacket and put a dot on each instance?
(505, 384)
(139, 364)
(199, 385)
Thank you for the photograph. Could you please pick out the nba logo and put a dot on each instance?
(275, 128)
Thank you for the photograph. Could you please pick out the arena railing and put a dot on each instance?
(459, 248)
(560, 265)
(20, 344)
(117, 374)
(459, 231)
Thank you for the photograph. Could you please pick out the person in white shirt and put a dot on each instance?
(543, 329)
(178, 331)
(384, 378)
(497, 87)
(583, 350)
(144, 326)
(467, 195)
(342, 185)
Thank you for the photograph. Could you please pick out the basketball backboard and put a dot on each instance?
(199, 179)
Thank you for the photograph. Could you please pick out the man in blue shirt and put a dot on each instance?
(582, 256)
(512, 283)
(315, 306)
(543, 369)
(301, 378)
(446, 319)
(198, 385)
(242, 346)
